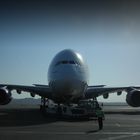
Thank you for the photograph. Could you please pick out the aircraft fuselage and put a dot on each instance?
(68, 76)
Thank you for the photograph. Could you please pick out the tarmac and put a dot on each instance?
(28, 123)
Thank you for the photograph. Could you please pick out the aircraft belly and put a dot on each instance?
(68, 91)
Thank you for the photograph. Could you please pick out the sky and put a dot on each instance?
(105, 33)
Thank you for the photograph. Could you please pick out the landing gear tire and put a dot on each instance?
(100, 122)
(59, 111)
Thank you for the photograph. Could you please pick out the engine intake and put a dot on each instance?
(105, 96)
(5, 96)
(133, 98)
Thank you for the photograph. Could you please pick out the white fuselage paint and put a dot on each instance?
(68, 76)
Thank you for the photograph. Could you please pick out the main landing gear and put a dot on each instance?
(59, 110)
(44, 105)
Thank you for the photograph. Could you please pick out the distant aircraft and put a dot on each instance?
(68, 83)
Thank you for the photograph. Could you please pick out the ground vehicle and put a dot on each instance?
(84, 109)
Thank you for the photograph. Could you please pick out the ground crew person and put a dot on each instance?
(100, 116)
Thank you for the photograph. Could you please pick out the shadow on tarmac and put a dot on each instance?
(32, 116)
(23, 117)
(92, 131)
(123, 112)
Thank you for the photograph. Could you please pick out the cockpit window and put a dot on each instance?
(71, 62)
(64, 62)
(67, 62)
(58, 63)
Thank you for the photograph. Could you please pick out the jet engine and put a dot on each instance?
(105, 96)
(133, 98)
(5, 96)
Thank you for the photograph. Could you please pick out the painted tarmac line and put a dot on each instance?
(120, 137)
(117, 124)
(74, 133)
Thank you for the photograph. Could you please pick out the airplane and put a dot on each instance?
(68, 83)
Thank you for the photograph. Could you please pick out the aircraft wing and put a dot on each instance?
(93, 91)
(43, 91)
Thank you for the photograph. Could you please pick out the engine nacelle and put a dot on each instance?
(119, 93)
(133, 98)
(5, 96)
(105, 96)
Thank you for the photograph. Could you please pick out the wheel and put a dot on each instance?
(43, 110)
(59, 111)
(41, 107)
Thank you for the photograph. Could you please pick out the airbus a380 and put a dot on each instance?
(68, 83)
